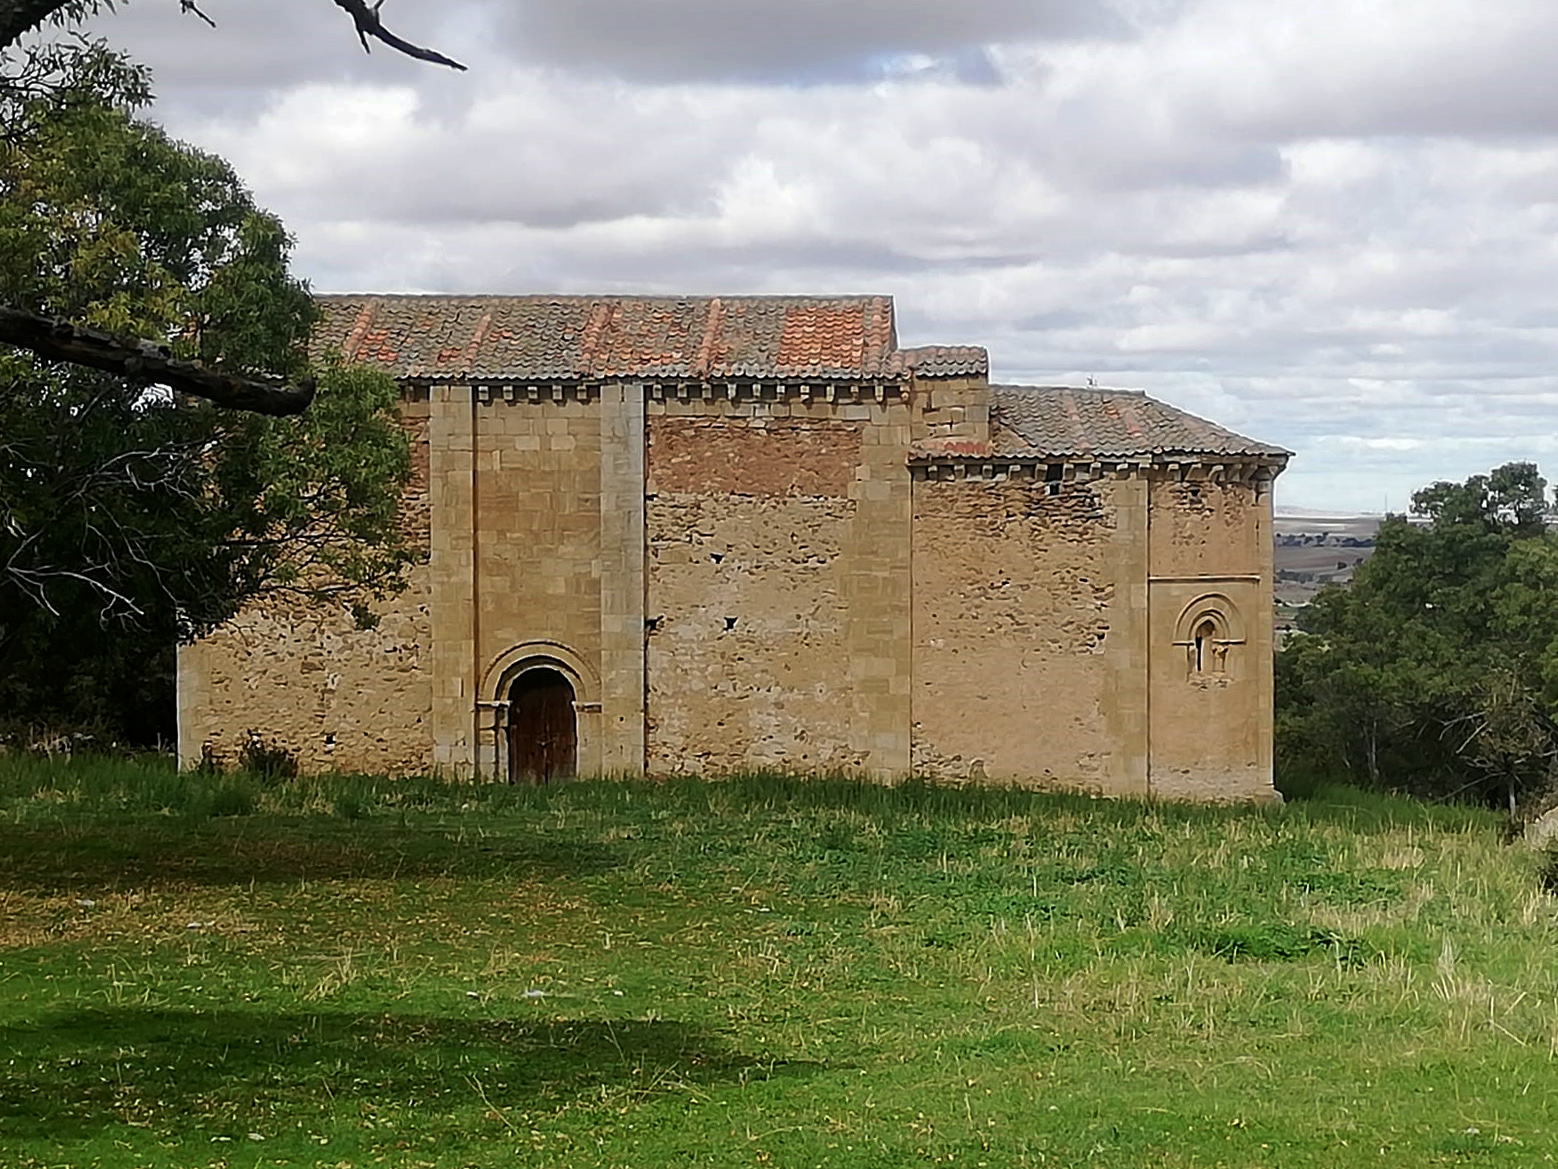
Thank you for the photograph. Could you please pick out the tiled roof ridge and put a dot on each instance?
(1102, 422)
(586, 336)
(1102, 391)
(594, 326)
(942, 360)
(474, 298)
(711, 330)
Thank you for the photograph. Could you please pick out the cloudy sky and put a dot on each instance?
(1328, 224)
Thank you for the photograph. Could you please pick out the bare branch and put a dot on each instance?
(146, 361)
(19, 17)
(369, 25)
(191, 6)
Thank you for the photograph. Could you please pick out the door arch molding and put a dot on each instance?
(506, 668)
(497, 685)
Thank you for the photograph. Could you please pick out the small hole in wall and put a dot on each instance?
(652, 624)
(329, 740)
(717, 557)
(730, 623)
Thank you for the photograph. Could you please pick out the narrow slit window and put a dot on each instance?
(1206, 635)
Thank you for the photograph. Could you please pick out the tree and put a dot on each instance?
(132, 518)
(48, 72)
(131, 515)
(20, 17)
(1436, 669)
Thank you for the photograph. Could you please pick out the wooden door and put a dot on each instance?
(543, 728)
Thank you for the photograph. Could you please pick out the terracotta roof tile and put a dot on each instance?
(1028, 421)
(945, 360)
(561, 338)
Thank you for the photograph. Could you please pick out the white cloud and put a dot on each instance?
(1332, 225)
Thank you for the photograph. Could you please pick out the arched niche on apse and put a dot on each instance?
(1210, 630)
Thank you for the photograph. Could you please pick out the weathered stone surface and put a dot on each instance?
(808, 576)
(1542, 832)
(748, 637)
(312, 683)
(1014, 595)
(1210, 732)
(781, 456)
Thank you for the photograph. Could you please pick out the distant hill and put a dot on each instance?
(1317, 513)
(1316, 548)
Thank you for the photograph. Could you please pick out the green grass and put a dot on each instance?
(221, 971)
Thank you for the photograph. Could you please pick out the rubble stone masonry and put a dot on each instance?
(308, 681)
(1017, 648)
(786, 578)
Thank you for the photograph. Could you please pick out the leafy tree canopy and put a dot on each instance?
(129, 517)
(1436, 669)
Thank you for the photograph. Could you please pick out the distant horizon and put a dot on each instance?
(1374, 490)
(1322, 513)
(1304, 242)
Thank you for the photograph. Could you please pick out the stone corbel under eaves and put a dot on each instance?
(488, 392)
(938, 465)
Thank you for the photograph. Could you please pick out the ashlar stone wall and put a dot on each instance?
(1057, 611)
(783, 577)
(1211, 701)
(536, 515)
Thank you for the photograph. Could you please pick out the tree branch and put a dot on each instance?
(369, 25)
(20, 17)
(146, 361)
(191, 6)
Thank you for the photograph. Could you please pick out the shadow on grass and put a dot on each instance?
(70, 1076)
(102, 856)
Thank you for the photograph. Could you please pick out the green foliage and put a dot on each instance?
(233, 798)
(129, 519)
(1436, 669)
(266, 760)
(758, 972)
(1277, 942)
(1547, 868)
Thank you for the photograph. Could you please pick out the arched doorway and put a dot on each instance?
(543, 728)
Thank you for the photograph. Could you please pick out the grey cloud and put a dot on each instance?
(1340, 68)
(1316, 233)
(262, 46)
(790, 41)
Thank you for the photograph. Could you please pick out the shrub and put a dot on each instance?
(267, 760)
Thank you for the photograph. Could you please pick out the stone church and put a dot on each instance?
(701, 535)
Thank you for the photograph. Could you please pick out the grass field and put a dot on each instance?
(199, 971)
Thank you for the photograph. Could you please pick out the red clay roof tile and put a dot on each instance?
(1029, 421)
(559, 338)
